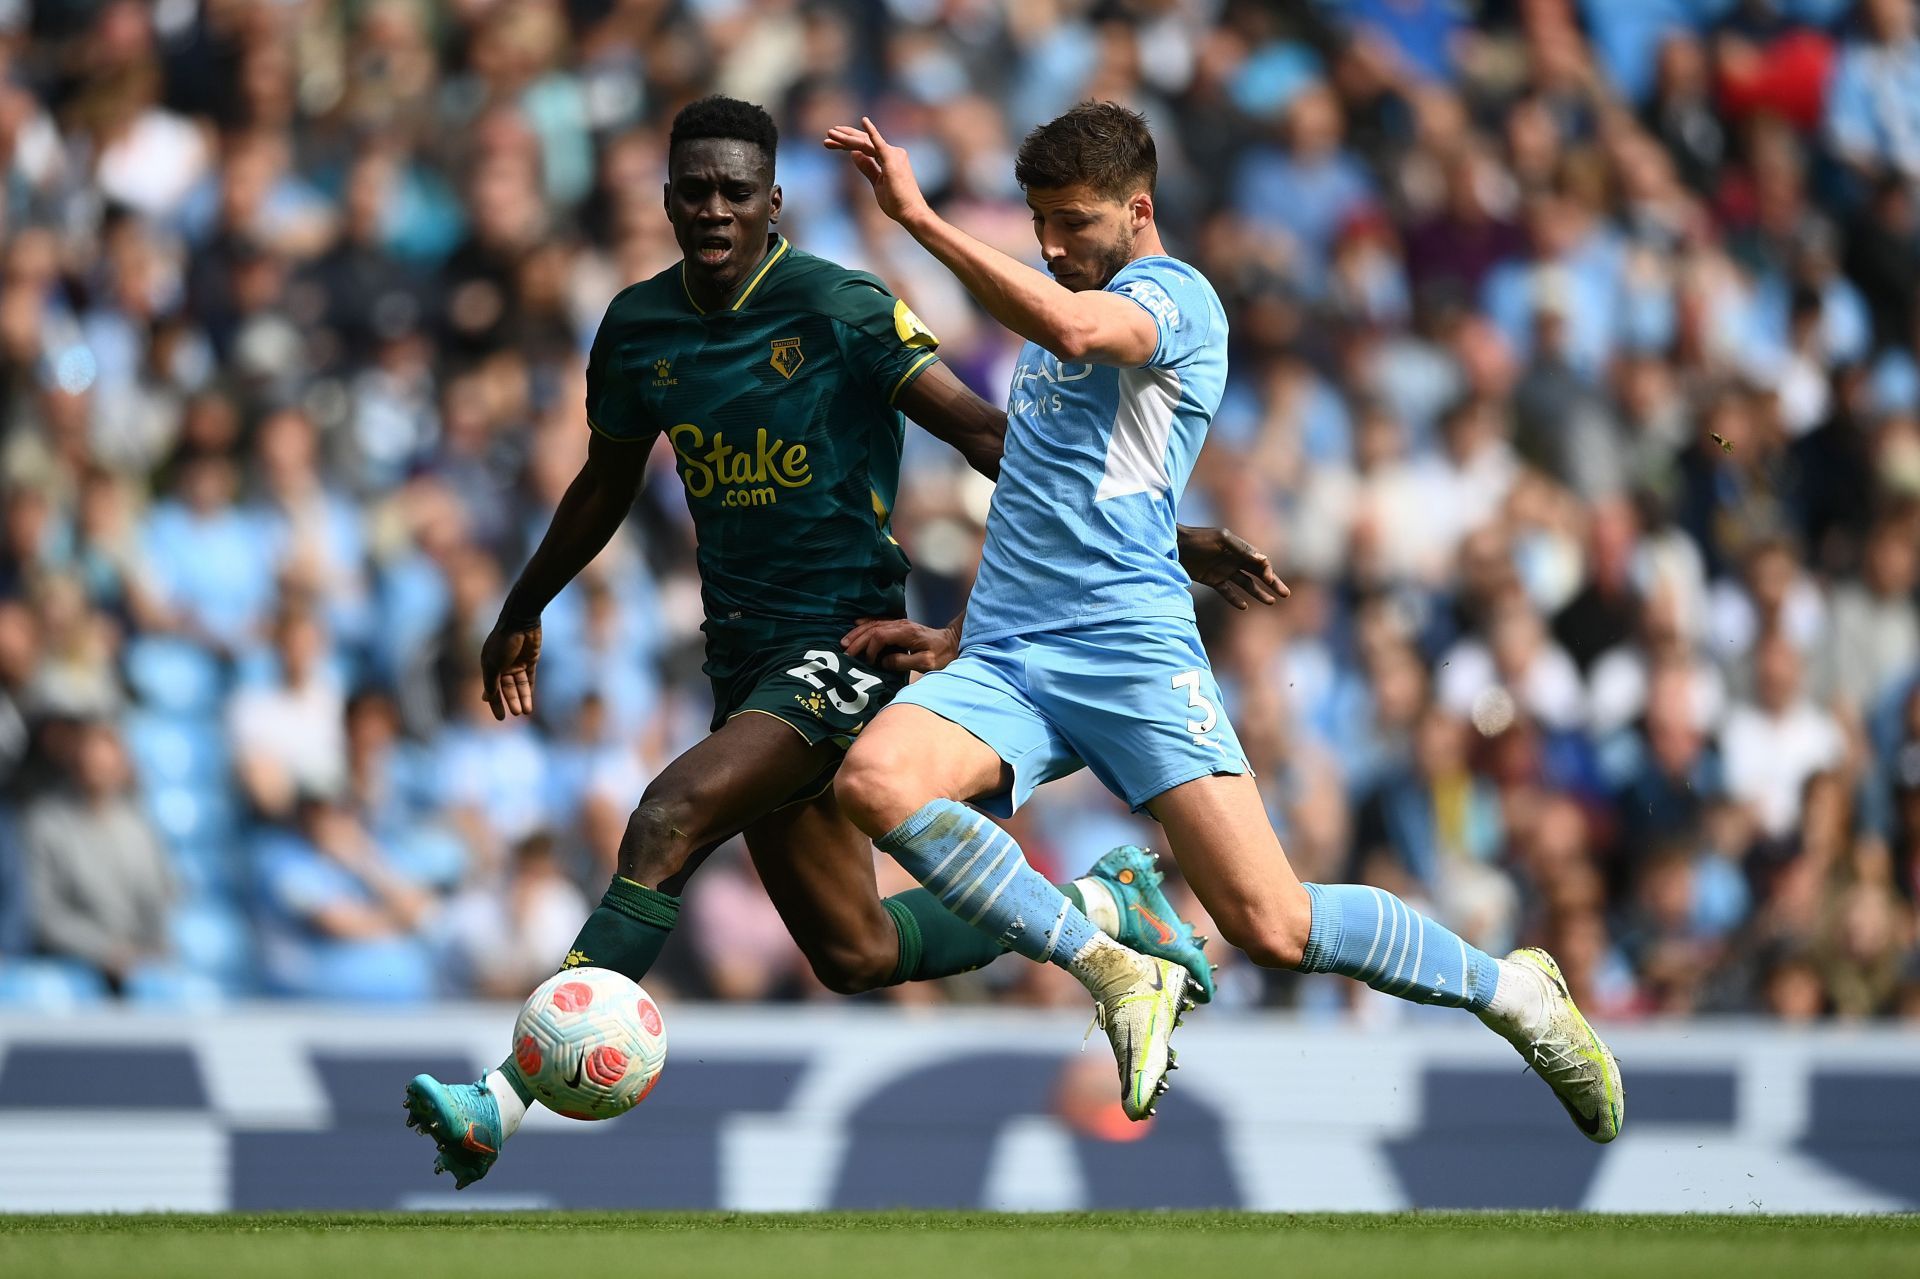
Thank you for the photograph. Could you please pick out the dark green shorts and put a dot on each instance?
(801, 677)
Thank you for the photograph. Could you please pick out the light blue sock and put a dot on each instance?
(979, 873)
(1369, 934)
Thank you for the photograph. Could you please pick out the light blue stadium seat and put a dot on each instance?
(192, 815)
(429, 854)
(49, 985)
(172, 674)
(199, 827)
(211, 939)
(175, 987)
(179, 749)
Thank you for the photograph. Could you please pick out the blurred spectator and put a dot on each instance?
(337, 920)
(287, 730)
(19, 658)
(1873, 104)
(99, 884)
(1516, 667)
(1307, 188)
(1873, 638)
(1575, 385)
(1674, 771)
(1436, 828)
(746, 951)
(507, 935)
(214, 573)
(1775, 743)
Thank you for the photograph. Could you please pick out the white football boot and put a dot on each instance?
(1562, 1048)
(1138, 1006)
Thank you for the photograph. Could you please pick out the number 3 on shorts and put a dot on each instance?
(1190, 680)
(821, 659)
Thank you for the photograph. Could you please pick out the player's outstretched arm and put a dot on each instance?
(585, 521)
(942, 404)
(1093, 327)
(1231, 565)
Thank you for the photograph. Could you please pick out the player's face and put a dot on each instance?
(1085, 237)
(721, 199)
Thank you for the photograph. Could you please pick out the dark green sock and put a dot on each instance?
(935, 942)
(626, 932)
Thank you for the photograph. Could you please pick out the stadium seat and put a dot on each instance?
(173, 675)
(174, 748)
(170, 986)
(429, 854)
(189, 815)
(212, 940)
(49, 985)
(197, 824)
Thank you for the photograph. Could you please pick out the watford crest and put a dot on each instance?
(786, 356)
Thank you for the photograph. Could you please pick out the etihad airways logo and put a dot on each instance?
(1035, 384)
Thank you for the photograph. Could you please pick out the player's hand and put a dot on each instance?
(885, 166)
(898, 644)
(1231, 565)
(506, 669)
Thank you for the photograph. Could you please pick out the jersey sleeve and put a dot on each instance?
(885, 344)
(613, 408)
(1179, 301)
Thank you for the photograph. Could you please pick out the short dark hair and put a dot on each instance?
(1101, 144)
(723, 117)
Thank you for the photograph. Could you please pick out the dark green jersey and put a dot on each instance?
(780, 409)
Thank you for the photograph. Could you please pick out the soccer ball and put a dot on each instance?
(590, 1043)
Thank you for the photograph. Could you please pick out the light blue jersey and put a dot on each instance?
(1082, 525)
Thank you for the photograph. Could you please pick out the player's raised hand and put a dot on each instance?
(886, 166)
(507, 660)
(1231, 565)
(900, 644)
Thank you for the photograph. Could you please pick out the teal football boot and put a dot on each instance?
(464, 1122)
(1148, 922)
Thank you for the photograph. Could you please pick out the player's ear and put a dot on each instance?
(773, 203)
(1142, 210)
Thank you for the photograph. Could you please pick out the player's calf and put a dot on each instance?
(853, 965)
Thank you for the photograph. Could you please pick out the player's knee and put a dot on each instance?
(656, 843)
(873, 788)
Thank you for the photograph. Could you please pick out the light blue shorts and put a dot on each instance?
(1133, 699)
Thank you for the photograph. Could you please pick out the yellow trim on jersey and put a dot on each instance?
(617, 439)
(759, 275)
(921, 363)
(779, 252)
(880, 514)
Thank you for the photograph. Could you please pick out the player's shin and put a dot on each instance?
(626, 931)
(1372, 936)
(978, 873)
(935, 942)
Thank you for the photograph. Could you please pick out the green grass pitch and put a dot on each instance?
(932, 1245)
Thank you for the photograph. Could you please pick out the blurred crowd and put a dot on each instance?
(1575, 389)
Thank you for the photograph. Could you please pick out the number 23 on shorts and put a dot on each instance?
(822, 660)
